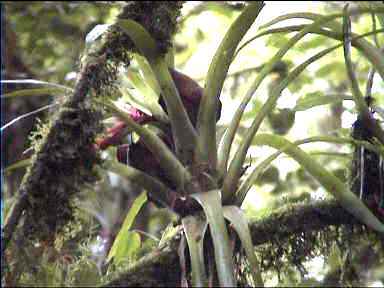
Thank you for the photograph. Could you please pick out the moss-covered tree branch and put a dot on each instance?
(159, 268)
(65, 158)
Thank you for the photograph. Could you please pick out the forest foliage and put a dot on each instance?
(101, 72)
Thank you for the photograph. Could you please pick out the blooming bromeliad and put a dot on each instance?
(137, 154)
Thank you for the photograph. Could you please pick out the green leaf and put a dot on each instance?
(304, 15)
(126, 242)
(314, 43)
(127, 247)
(358, 97)
(184, 133)
(17, 165)
(206, 150)
(225, 146)
(211, 203)
(371, 52)
(301, 80)
(148, 74)
(318, 98)
(234, 172)
(38, 82)
(34, 92)
(195, 228)
(261, 167)
(276, 40)
(168, 161)
(182, 129)
(142, 96)
(142, 39)
(329, 181)
(331, 69)
(240, 224)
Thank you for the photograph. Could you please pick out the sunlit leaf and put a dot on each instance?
(211, 203)
(318, 98)
(194, 229)
(127, 242)
(234, 171)
(142, 96)
(329, 69)
(240, 224)
(299, 15)
(148, 75)
(218, 69)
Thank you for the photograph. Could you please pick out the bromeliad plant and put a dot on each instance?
(177, 159)
(181, 165)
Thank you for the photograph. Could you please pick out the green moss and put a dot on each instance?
(159, 18)
(64, 162)
(65, 158)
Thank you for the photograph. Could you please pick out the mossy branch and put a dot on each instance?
(157, 268)
(65, 158)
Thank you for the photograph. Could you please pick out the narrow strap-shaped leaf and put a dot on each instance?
(329, 181)
(195, 229)
(234, 171)
(372, 53)
(37, 82)
(368, 50)
(183, 263)
(315, 100)
(304, 15)
(211, 203)
(240, 223)
(357, 95)
(167, 160)
(17, 165)
(120, 244)
(13, 121)
(232, 177)
(260, 168)
(34, 92)
(142, 39)
(148, 73)
(360, 44)
(143, 97)
(225, 146)
(206, 151)
(182, 128)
